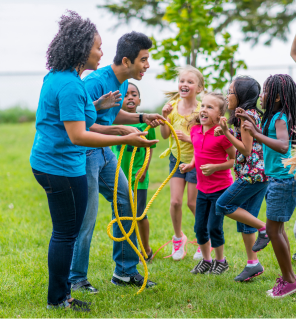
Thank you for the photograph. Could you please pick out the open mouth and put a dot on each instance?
(203, 117)
(130, 104)
(184, 90)
(142, 73)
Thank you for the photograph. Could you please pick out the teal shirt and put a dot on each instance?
(139, 157)
(272, 159)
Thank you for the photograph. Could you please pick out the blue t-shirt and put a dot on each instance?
(101, 82)
(272, 159)
(63, 97)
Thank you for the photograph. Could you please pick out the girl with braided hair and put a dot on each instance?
(279, 101)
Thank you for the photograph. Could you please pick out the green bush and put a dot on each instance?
(17, 114)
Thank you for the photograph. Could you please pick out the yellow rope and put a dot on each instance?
(134, 219)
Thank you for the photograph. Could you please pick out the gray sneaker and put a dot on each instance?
(250, 272)
(202, 267)
(218, 268)
(261, 242)
(84, 285)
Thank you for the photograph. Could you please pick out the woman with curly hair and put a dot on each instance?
(65, 113)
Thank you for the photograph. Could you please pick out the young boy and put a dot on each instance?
(130, 103)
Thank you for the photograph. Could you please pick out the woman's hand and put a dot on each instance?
(208, 169)
(249, 126)
(223, 124)
(218, 131)
(107, 101)
(185, 168)
(166, 110)
(182, 136)
(125, 129)
(135, 139)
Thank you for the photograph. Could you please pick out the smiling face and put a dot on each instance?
(131, 100)
(95, 54)
(209, 113)
(188, 85)
(140, 65)
(231, 98)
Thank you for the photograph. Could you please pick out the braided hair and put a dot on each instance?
(246, 90)
(284, 86)
(71, 46)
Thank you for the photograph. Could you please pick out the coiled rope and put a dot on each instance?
(133, 201)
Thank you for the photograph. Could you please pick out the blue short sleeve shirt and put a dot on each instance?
(273, 160)
(63, 97)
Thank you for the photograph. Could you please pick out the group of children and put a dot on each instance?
(255, 148)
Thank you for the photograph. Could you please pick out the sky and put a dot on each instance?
(28, 26)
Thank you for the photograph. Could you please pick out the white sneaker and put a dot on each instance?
(198, 254)
(178, 251)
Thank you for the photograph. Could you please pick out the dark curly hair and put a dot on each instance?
(129, 46)
(71, 46)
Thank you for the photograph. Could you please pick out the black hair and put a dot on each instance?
(135, 87)
(71, 46)
(284, 86)
(246, 90)
(130, 45)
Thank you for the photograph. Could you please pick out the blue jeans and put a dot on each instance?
(100, 170)
(67, 199)
(189, 177)
(244, 195)
(207, 223)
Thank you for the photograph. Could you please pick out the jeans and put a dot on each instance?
(189, 177)
(244, 195)
(100, 170)
(67, 199)
(207, 223)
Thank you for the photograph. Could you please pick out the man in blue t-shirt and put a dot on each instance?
(131, 61)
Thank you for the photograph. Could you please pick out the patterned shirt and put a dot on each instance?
(250, 168)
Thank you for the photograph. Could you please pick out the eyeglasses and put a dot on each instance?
(229, 93)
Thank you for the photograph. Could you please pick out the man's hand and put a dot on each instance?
(223, 124)
(208, 169)
(182, 136)
(135, 139)
(185, 168)
(107, 101)
(249, 126)
(153, 119)
(167, 109)
(141, 180)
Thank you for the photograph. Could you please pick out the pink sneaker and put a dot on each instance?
(198, 254)
(178, 251)
(283, 289)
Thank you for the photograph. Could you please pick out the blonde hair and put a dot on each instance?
(173, 95)
(222, 107)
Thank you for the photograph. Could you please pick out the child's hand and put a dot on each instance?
(141, 180)
(107, 101)
(208, 169)
(248, 126)
(166, 110)
(218, 131)
(223, 124)
(185, 168)
(241, 113)
(182, 136)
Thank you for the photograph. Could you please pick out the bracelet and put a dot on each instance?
(141, 118)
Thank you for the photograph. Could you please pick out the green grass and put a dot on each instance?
(25, 229)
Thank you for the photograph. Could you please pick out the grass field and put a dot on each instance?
(25, 229)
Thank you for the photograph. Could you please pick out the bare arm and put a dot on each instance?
(145, 172)
(280, 144)
(79, 136)
(124, 117)
(165, 130)
(113, 129)
(293, 50)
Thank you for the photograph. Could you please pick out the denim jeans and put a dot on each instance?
(67, 199)
(244, 195)
(100, 170)
(207, 223)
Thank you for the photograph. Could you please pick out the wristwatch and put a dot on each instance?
(141, 117)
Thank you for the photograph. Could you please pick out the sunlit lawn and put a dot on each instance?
(25, 229)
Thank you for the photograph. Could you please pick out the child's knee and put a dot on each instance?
(176, 204)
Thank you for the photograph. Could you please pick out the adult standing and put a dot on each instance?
(130, 61)
(65, 112)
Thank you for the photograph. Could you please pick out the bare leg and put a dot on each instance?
(144, 233)
(177, 190)
(241, 215)
(206, 250)
(249, 241)
(219, 252)
(278, 237)
(191, 197)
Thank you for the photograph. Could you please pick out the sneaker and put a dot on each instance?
(75, 305)
(283, 289)
(218, 268)
(150, 257)
(178, 251)
(84, 285)
(249, 272)
(261, 242)
(198, 255)
(202, 267)
(278, 280)
(136, 280)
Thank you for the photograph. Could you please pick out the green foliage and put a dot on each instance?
(17, 114)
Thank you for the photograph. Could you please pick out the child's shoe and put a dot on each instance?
(198, 255)
(249, 272)
(178, 251)
(261, 242)
(218, 267)
(202, 267)
(283, 289)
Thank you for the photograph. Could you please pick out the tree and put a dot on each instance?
(200, 30)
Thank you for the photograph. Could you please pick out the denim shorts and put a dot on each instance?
(189, 177)
(244, 195)
(280, 199)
